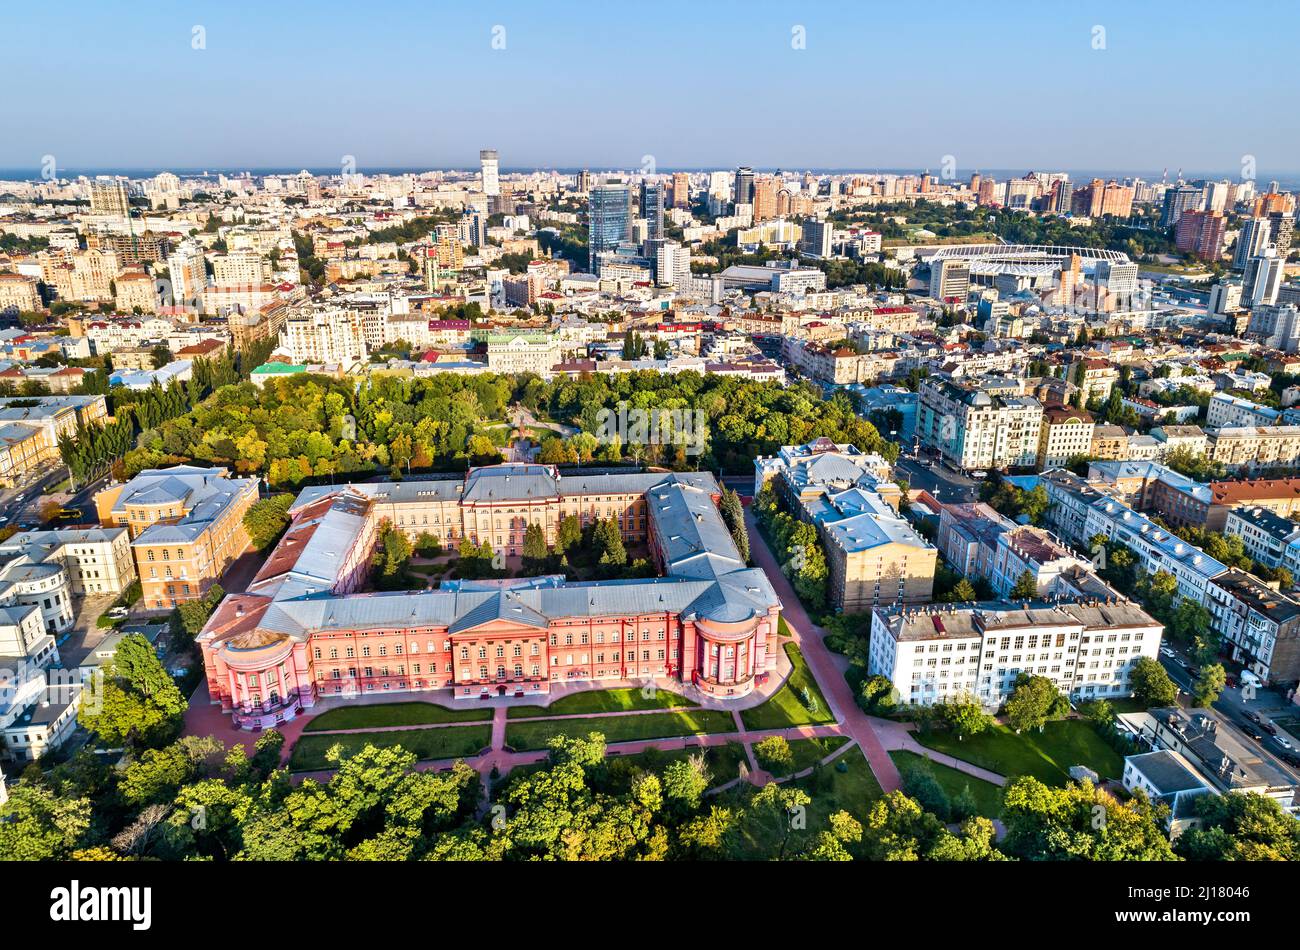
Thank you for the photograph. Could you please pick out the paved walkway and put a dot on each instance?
(898, 736)
(826, 667)
(504, 761)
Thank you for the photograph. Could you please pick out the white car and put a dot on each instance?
(1165, 651)
(1283, 742)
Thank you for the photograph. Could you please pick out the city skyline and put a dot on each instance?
(267, 88)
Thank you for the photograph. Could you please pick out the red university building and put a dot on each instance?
(304, 631)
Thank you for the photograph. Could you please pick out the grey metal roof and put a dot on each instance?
(706, 577)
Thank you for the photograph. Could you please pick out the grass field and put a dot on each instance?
(1046, 755)
(723, 760)
(786, 707)
(988, 797)
(393, 714)
(808, 752)
(853, 790)
(602, 701)
(446, 743)
(534, 734)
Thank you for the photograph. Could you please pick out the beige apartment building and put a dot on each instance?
(18, 294)
(873, 556)
(30, 429)
(1064, 434)
(1256, 448)
(186, 525)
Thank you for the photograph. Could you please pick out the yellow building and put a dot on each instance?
(186, 525)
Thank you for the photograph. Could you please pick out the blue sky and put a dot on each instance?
(708, 83)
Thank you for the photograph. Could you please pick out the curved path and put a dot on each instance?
(828, 669)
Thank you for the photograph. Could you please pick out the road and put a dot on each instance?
(943, 483)
(21, 504)
(1232, 708)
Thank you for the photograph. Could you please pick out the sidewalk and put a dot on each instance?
(829, 672)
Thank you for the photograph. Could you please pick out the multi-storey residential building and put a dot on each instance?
(186, 525)
(873, 555)
(1064, 434)
(1279, 495)
(1095, 377)
(1226, 762)
(1175, 438)
(976, 429)
(1264, 534)
(1109, 442)
(325, 334)
(968, 535)
(1079, 512)
(1228, 410)
(108, 196)
(30, 429)
(18, 293)
(1256, 448)
(1026, 548)
(299, 634)
(95, 560)
(1262, 279)
(1261, 625)
(932, 654)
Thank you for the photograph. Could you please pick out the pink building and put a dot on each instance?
(302, 631)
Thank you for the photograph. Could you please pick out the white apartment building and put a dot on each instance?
(187, 274)
(932, 654)
(1228, 410)
(976, 429)
(325, 334)
(95, 560)
(240, 268)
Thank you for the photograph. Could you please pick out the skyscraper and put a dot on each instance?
(744, 190)
(108, 196)
(652, 209)
(681, 190)
(1178, 199)
(763, 192)
(1282, 227)
(817, 238)
(1252, 240)
(950, 279)
(609, 218)
(1262, 279)
(487, 159)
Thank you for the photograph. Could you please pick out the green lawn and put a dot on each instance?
(445, 743)
(393, 714)
(988, 797)
(602, 701)
(786, 707)
(808, 752)
(534, 734)
(723, 760)
(1046, 755)
(853, 790)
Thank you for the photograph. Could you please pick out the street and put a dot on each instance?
(943, 483)
(21, 504)
(1232, 709)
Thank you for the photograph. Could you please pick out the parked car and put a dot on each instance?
(1252, 716)
(1255, 734)
(1165, 651)
(1283, 741)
